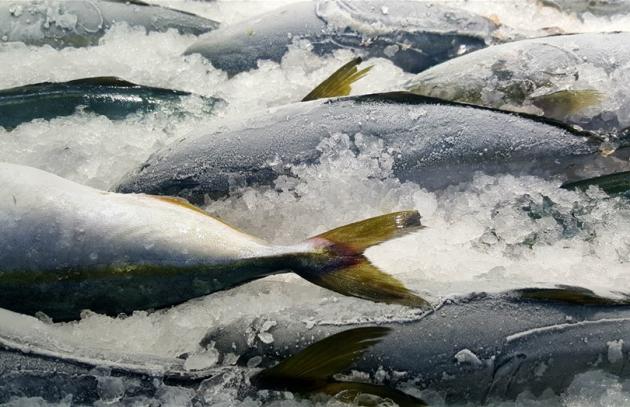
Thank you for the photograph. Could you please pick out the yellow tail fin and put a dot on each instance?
(340, 266)
(339, 83)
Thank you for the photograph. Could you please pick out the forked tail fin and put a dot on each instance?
(338, 262)
(312, 369)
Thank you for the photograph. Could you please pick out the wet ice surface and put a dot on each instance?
(495, 233)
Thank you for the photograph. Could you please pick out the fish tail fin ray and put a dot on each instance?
(312, 369)
(340, 82)
(338, 263)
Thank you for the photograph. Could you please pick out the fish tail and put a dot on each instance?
(338, 264)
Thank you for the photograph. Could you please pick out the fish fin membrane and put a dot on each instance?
(103, 81)
(323, 359)
(312, 369)
(612, 184)
(570, 295)
(339, 83)
(366, 281)
(174, 200)
(358, 236)
(346, 270)
(559, 105)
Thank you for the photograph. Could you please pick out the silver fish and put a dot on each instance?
(474, 349)
(580, 79)
(78, 23)
(432, 142)
(37, 361)
(65, 247)
(108, 96)
(413, 35)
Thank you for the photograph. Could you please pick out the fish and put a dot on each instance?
(112, 97)
(475, 348)
(36, 360)
(66, 247)
(432, 142)
(601, 8)
(413, 35)
(80, 23)
(117, 98)
(578, 79)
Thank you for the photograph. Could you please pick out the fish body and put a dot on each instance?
(473, 349)
(579, 79)
(431, 142)
(39, 360)
(414, 35)
(65, 247)
(112, 97)
(606, 8)
(77, 23)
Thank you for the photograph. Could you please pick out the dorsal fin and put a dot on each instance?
(340, 82)
(180, 202)
(103, 81)
(569, 295)
(617, 183)
(133, 2)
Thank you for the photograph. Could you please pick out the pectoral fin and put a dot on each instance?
(559, 105)
(311, 370)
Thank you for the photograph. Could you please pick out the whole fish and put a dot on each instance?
(413, 35)
(108, 96)
(579, 79)
(78, 23)
(65, 247)
(37, 360)
(596, 7)
(431, 142)
(473, 349)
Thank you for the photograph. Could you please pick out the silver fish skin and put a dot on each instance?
(596, 7)
(413, 35)
(66, 247)
(77, 23)
(432, 142)
(474, 349)
(109, 96)
(519, 76)
(37, 360)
